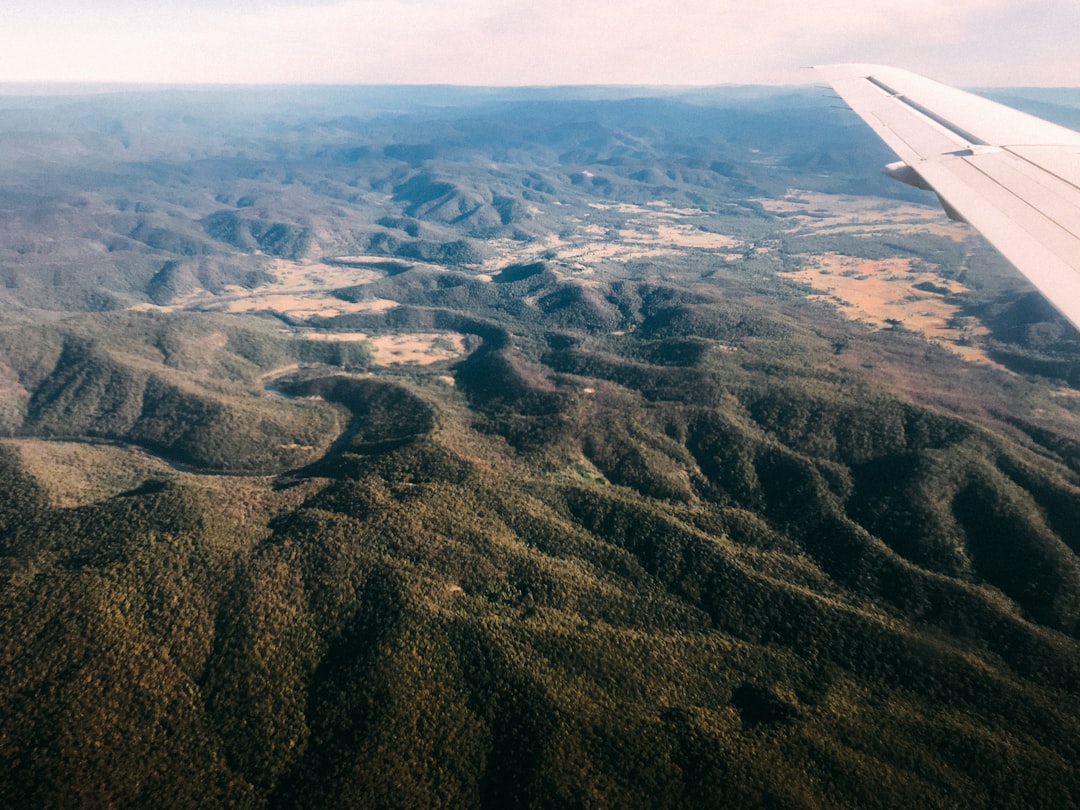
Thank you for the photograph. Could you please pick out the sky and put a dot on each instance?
(534, 42)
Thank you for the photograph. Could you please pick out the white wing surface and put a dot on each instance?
(1014, 177)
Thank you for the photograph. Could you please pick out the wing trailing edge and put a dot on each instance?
(1013, 176)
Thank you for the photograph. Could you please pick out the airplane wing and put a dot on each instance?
(1014, 177)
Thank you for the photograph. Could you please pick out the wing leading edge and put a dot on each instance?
(1014, 177)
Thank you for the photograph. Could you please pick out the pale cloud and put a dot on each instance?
(514, 42)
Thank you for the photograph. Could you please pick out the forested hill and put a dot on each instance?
(425, 447)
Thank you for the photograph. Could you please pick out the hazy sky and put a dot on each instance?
(967, 42)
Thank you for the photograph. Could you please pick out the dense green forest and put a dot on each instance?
(648, 525)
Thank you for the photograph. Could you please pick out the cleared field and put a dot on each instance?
(653, 230)
(299, 289)
(884, 293)
(836, 213)
(419, 348)
(299, 304)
